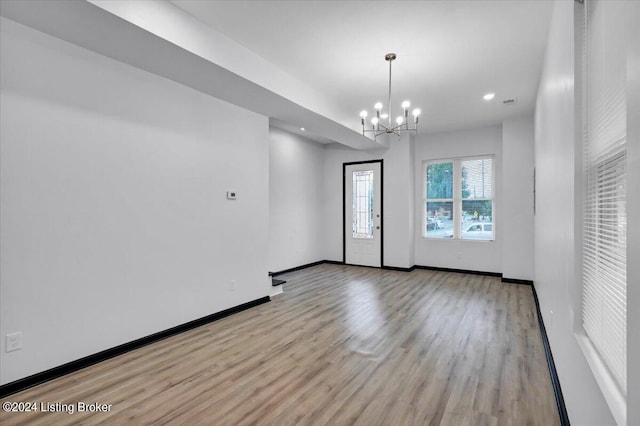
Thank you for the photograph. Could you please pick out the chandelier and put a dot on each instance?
(401, 122)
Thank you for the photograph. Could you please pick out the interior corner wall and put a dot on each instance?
(456, 254)
(296, 167)
(115, 222)
(397, 199)
(554, 242)
(412, 204)
(517, 198)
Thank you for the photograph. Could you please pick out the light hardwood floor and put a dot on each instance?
(342, 345)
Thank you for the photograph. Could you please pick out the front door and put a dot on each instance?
(363, 213)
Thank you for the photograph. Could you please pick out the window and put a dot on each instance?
(439, 202)
(459, 199)
(604, 237)
(477, 199)
(604, 260)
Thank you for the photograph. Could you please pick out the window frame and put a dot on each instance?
(457, 196)
(601, 131)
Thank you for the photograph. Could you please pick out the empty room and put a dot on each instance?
(319, 212)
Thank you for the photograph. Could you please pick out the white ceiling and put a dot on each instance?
(450, 53)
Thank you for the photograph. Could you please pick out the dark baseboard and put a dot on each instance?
(399, 268)
(363, 266)
(459, 271)
(70, 367)
(276, 282)
(516, 281)
(297, 268)
(555, 381)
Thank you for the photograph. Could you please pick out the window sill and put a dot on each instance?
(457, 239)
(616, 401)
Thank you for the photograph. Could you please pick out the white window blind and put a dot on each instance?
(605, 218)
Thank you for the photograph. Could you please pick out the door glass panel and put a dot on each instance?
(363, 204)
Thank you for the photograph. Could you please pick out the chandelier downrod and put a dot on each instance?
(390, 57)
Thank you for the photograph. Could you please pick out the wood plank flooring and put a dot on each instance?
(342, 345)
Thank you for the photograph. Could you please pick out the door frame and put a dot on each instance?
(344, 210)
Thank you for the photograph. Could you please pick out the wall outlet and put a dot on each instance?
(14, 341)
(232, 285)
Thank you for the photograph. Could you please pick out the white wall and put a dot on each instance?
(398, 203)
(296, 167)
(554, 245)
(517, 198)
(113, 212)
(456, 254)
(397, 199)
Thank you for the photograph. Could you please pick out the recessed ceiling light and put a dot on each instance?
(302, 128)
(489, 96)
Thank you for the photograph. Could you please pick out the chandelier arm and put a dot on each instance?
(375, 130)
(401, 128)
(379, 132)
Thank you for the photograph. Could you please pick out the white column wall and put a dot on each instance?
(517, 195)
(296, 188)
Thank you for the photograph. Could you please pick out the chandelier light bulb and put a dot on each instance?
(378, 106)
(374, 121)
(406, 104)
(385, 115)
(399, 120)
(364, 114)
(416, 112)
